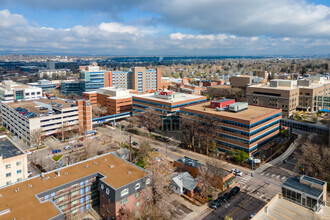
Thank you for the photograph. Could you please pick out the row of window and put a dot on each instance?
(17, 172)
(9, 182)
(18, 163)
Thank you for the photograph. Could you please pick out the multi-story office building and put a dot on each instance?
(13, 162)
(240, 126)
(138, 79)
(70, 86)
(167, 104)
(91, 78)
(290, 95)
(117, 100)
(52, 73)
(50, 115)
(10, 91)
(106, 183)
(244, 80)
(44, 84)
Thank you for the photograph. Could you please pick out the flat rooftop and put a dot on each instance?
(251, 113)
(180, 98)
(280, 208)
(25, 205)
(8, 149)
(35, 104)
(294, 183)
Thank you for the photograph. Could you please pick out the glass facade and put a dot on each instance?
(19, 95)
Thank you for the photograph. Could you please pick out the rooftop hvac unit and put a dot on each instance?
(238, 106)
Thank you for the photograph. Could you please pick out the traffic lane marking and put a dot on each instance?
(240, 206)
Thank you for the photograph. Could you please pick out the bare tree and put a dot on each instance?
(132, 122)
(189, 129)
(99, 111)
(35, 137)
(90, 147)
(149, 119)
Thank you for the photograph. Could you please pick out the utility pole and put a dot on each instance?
(130, 148)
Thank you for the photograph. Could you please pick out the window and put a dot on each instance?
(124, 192)
(8, 183)
(18, 163)
(87, 198)
(148, 181)
(122, 202)
(81, 200)
(137, 186)
(137, 204)
(61, 198)
(19, 179)
(137, 195)
(75, 193)
(87, 189)
(8, 174)
(107, 191)
(102, 186)
(82, 183)
(46, 197)
(74, 202)
(108, 209)
(8, 166)
(81, 191)
(62, 207)
(19, 171)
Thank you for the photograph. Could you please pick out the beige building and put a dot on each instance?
(13, 162)
(243, 81)
(290, 95)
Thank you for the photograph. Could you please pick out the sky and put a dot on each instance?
(165, 27)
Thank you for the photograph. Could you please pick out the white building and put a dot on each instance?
(10, 91)
(13, 162)
(52, 73)
(51, 115)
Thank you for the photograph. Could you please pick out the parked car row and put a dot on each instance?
(224, 198)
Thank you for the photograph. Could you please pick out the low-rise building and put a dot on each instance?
(167, 104)
(117, 100)
(184, 183)
(240, 126)
(52, 73)
(243, 81)
(301, 198)
(13, 162)
(44, 84)
(49, 115)
(10, 91)
(106, 184)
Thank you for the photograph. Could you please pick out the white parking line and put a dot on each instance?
(267, 174)
(273, 175)
(278, 176)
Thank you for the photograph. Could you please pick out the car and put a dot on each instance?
(234, 190)
(69, 101)
(59, 105)
(29, 173)
(56, 151)
(160, 138)
(155, 149)
(81, 139)
(28, 152)
(135, 143)
(72, 142)
(252, 215)
(78, 145)
(68, 147)
(226, 197)
(91, 137)
(139, 126)
(166, 139)
(53, 103)
(43, 108)
(237, 172)
(216, 203)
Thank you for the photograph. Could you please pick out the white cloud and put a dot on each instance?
(18, 35)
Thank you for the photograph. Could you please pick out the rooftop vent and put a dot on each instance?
(105, 159)
(111, 166)
(95, 163)
(66, 173)
(129, 172)
(86, 166)
(29, 185)
(47, 177)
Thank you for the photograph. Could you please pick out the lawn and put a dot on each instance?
(56, 158)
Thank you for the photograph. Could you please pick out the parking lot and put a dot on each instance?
(239, 207)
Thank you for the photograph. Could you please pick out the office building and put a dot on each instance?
(13, 162)
(117, 100)
(167, 104)
(138, 79)
(10, 91)
(52, 73)
(44, 84)
(102, 185)
(243, 81)
(70, 87)
(290, 95)
(91, 78)
(50, 64)
(239, 125)
(50, 115)
(301, 198)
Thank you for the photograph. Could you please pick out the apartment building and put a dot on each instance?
(50, 115)
(13, 162)
(240, 126)
(52, 73)
(10, 91)
(138, 79)
(167, 104)
(117, 100)
(290, 95)
(106, 183)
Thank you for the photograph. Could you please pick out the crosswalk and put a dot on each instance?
(274, 176)
(244, 179)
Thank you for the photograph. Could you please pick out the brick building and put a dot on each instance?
(106, 183)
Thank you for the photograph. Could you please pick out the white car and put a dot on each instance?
(91, 137)
(28, 152)
(72, 142)
(68, 147)
(237, 172)
(29, 173)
